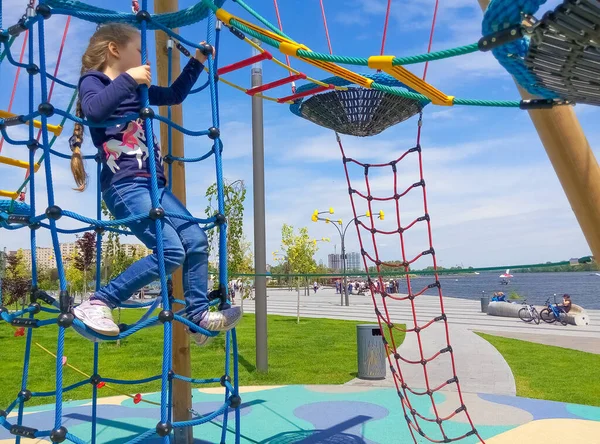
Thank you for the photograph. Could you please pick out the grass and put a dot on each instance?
(316, 351)
(551, 373)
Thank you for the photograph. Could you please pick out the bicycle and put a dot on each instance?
(529, 313)
(553, 313)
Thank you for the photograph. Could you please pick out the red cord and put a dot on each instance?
(287, 58)
(51, 90)
(326, 28)
(385, 25)
(14, 90)
(433, 21)
(58, 60)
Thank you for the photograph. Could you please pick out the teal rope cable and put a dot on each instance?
(361, 61)
(261, 19)
(84, 11)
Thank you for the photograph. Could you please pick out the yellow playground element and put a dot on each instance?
(284, 66)
(383, 63)
(54, 129)
(18, 163)
(289, 47)
(9, 194)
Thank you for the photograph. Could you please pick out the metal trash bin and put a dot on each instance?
(485, 302)
(371, 352)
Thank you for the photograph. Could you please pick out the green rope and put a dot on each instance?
(7, 46)
(41, 159)
(268, 40)
(343, 60)
(496, 103)
(361, 61)
(399, 92)
(396, 91)
(263, 20)
(410, 60)
(438, 55)
(583, 260)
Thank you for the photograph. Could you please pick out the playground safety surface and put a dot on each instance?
(332, 415)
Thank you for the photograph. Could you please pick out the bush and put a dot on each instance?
(514, 296)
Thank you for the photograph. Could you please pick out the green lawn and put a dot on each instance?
(317, 351)
(552, 373)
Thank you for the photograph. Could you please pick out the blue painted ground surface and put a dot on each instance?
(293, 414)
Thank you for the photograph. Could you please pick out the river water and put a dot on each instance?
(584, 287)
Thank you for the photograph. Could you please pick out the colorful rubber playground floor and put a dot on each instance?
(332, 415)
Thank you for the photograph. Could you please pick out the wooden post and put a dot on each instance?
(182, 392)
(573, 161)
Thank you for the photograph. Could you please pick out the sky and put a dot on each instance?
(492, 194)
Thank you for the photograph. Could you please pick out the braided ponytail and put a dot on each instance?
(77, 165)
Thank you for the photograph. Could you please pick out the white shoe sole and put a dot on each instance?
(201, 340)
(80, 314)
(228, 327)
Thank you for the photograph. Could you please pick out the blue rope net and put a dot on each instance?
(502, 14)
(16, 215)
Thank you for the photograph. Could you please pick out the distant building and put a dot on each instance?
(45, 255)
(574, 261)
(353, 261)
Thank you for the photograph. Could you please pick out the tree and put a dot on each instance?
(48, 279)
(114, 259)
(239, 255)
(73, 274)
(16, 282)
(119, 261)
(86, 255)
(299, 250)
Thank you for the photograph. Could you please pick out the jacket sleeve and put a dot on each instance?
(99, 101)
(179, 90)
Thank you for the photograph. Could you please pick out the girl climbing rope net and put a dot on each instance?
(111, 73)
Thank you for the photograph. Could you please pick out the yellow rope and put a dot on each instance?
(88, 376)
(279, 63)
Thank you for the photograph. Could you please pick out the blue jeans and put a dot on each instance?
(185, 243)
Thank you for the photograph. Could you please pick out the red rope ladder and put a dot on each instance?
(378, 288)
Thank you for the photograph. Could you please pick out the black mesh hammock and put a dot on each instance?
(564, 51)
(358, 111)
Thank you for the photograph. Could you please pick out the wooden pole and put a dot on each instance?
(182, 394)
(573, 161)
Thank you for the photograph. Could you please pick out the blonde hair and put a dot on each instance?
(94, 59)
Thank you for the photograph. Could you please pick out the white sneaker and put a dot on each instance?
(97, 316)
(217, 321)
(223, 320)
(200, 339)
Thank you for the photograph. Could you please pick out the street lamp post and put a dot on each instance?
(339, 225)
